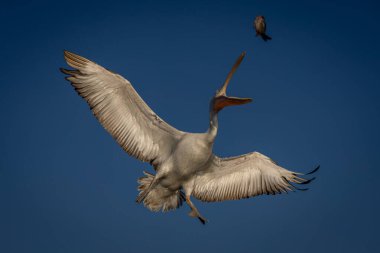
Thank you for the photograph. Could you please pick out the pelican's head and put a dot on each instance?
(221, 100)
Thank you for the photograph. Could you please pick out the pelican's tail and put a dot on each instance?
(159, 198)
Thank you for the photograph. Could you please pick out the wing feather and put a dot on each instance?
(121, 111)
(243, 177)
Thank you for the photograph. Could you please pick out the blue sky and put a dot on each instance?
(66, 186)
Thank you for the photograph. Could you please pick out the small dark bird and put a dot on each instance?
(260, 27)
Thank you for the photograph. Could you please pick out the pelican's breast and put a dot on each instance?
(192, 152)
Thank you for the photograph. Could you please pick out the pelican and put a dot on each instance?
(184, 162)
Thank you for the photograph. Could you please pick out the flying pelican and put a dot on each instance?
(184, 162)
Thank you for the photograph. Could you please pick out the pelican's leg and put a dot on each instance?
(194, 211)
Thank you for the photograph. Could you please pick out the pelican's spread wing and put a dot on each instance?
(243, 177)
(121, 111)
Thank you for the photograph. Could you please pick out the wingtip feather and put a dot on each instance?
(314, 170)
(308, 181)
(64, 71)
(74, 60)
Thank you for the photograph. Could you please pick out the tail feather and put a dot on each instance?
(159, 198)
(265, 37)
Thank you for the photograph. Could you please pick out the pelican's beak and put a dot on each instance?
(221, 99)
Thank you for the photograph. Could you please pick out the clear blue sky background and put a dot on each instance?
(66, 186)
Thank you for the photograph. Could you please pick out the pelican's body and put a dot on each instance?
(191, 154)
(184, 162)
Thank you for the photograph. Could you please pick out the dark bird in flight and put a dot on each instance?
(260, 27)
(184, 162)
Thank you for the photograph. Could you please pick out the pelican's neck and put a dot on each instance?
(213, 129)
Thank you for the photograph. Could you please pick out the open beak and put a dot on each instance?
(221, 98)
